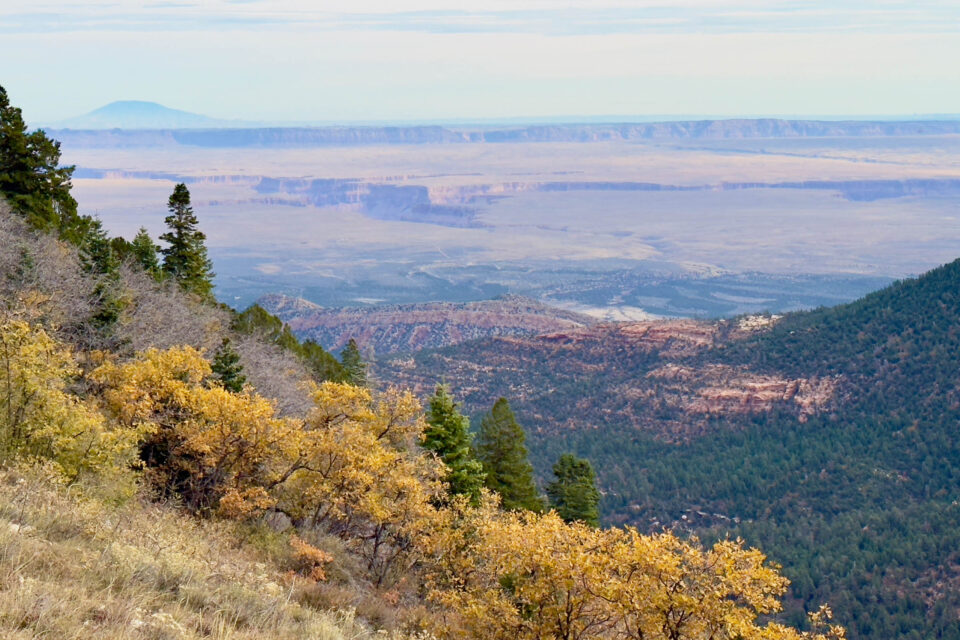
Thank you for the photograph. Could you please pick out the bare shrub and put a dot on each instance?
(274, 373)
(162, 316)
(42, 276)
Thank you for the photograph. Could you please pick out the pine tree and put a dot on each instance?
(145, 253)
(99, 259)
(574, 493)
(185, 258)
(227, 368)
(32, 180)
(448, 435)
(96, 253)
(354, 368)
(502, 450)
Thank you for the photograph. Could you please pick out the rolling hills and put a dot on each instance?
(827, 437)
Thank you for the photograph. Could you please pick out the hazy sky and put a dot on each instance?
(424, 59)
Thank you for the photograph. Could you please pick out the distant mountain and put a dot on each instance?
(404, 328)
(828, 438)
(136, 114)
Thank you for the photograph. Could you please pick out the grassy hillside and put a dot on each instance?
(76, 567)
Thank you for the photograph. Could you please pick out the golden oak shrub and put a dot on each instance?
(523, 576)
(356, 469)
(202, 442)
(352, 465)
(41, 419)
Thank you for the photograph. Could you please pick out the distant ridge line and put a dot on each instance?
(731, 129)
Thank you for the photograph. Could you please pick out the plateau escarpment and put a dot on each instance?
(433, 134)
(653, 377)
(607, 222)
(459, 205)
(406, 328)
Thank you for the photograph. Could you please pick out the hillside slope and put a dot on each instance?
(829, 438)
(151, 488)
(404, 328)
(71, 567)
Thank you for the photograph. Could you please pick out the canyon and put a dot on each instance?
(666, 378)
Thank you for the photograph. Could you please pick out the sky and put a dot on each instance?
(402, 60)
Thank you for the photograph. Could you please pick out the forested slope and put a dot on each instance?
(855, 493)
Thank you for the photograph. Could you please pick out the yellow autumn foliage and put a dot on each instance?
(204, 443)
(523, 576)
(40, 419)
(357, 470)
(352, 465)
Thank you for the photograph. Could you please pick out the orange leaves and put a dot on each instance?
(242, 505)
(310, 560)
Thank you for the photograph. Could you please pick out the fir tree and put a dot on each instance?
(448, 435)
(98, 258)
(121, 248)
(354, 368)
(145, 253)
(96, 253)
(227, 368)
(503, 453)
(574, 493)
(185, 258)
(32, 180)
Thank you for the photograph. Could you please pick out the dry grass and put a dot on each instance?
(76, 567)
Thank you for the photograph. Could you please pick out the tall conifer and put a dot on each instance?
(185, 258)
(145, 253)
(32, 180)
(502, 450)
(448, 435)
(227, 368)
(354, 368)
(574, 492)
